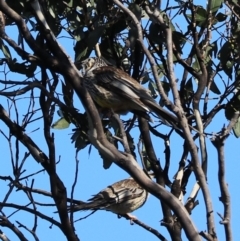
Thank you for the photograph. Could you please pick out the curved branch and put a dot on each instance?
(58, 188)
(39, 214)
(6, 223)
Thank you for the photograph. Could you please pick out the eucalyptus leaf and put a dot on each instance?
(136, 10)
(60, 124)
(81, 140)
(236, 129)
(215, 89)
(215, 5)
(5, 50)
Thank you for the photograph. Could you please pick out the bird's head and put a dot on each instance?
(91, 64)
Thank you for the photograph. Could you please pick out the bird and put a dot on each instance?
(112, 88)
(121, 198)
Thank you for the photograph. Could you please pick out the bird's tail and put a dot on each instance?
(166, 117)
(84, 206)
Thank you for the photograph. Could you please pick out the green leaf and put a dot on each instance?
(83, 54)
(201, 16)
(179, 40)
(189, 85)
(166, 87)
(51, 11)
(94, 36)
(80, 139)
(214, 49)
(102, 7)
(236, 129)
(84, 47)
(155, 33)
(136, 10)
(117, 26)
(161, 71)
(188, 89)
(107, 48)
(152, 87)
(224, 52)
(145, 77)
(195, 64)
(132, 36)
(70, 3)
(5, 50)
(232, 106)
(215, 89)
(114, 124)
(221, 17)
(215, 5)
(61, 124)
(226, 59)
(144, 14)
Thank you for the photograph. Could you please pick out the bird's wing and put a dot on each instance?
(120, 82)
(119, 192)
(112, 78)
(144, 97)
(109, 75)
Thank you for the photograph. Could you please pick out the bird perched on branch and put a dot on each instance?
(112, 88)
(122, 198)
